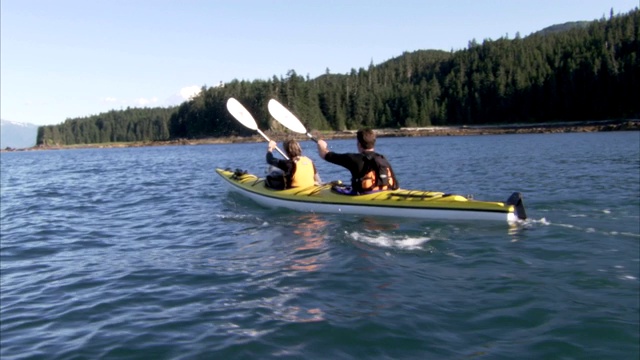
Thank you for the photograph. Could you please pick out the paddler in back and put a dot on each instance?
(370, 171)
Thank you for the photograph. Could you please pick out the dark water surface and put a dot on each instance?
(142, 253)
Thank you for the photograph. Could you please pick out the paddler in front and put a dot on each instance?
(298, 171)
(369, 170)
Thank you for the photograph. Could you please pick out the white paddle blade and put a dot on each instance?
(241, 114)
(285, 117)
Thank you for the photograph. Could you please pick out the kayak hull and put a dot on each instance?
(396, 203)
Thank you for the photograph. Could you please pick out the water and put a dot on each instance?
(142, 253)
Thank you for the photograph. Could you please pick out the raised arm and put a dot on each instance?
(322, 148)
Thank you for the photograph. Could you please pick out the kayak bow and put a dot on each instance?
(397, 203)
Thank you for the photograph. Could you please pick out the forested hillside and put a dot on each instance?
(114, 126)
(581, 73)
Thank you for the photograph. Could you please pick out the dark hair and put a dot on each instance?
(367, 138)
(292, 148)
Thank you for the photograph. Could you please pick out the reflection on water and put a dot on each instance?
(309, 227)
(378, 224)
(514, 230)
(308, 256)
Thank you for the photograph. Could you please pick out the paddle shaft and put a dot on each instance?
(267, 138)
(312, 138)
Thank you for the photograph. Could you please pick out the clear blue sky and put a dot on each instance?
(70, 58)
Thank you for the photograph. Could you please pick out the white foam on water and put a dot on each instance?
(619, 271)
(566, 225)
(232, 216)
(591, 230)
(542, 221)
(385, 240)
(516, 227)
(606, 211)
(630, 234)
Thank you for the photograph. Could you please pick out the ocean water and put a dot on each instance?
(141, 253)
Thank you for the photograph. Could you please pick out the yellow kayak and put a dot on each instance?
(397, 203)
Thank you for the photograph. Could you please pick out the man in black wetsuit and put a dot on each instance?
(370, 171)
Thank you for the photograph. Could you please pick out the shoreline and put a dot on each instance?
(464, 130)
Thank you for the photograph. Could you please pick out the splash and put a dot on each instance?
(403, 242)
(531, 222)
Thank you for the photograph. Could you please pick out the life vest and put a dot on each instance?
(377, 175)
(304, 173)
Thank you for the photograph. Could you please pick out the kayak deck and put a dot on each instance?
(397, 203)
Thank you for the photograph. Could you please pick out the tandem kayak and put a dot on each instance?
(397, 203)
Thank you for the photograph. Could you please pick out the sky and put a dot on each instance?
(62, 59)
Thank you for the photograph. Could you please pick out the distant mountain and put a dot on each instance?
(17, 135)
(563, 27)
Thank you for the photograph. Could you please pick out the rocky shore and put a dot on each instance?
(566, 127)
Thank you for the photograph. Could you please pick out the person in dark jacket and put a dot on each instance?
(369, 170)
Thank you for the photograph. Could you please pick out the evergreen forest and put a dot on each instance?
(582, 71)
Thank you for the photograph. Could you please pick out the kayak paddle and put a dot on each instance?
(286, 118)
(243, 116)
